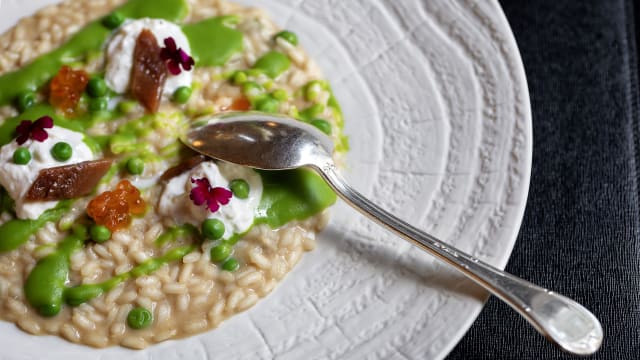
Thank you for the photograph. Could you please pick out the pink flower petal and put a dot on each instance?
(39, 134)
(22, 139)
(175, 57)
(170, 44)
(24, 131)
(185, 60)
(212, 205)
(204, 193)
(174, 67)
(45, 122)
(165, 54)
(221, 195)
(200, 193)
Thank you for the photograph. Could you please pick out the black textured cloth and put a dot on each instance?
(580, 233)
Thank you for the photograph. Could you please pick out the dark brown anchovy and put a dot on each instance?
(149, 72)
(68, 181)
(186, 165)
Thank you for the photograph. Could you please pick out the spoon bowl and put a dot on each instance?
(271, 142)
(262, 142)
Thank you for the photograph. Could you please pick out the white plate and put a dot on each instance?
(437, 108)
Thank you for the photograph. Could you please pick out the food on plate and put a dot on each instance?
(111, 231)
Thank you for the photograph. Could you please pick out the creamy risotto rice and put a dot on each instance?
(161, 263)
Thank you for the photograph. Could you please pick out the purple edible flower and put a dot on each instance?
(214, 197)
(175, 57)
(33, 129)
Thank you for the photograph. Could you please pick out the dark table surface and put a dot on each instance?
(581, 230)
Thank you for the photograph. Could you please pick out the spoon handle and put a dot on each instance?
(560, 319)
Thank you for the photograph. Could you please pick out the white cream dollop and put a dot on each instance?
(17, 179)
(122, 44)
(237, 216)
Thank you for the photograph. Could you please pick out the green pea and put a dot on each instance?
(312, 91)
(231, 265)
(135, 166)
(182, 95)
(252, 90)
(220, 252)
(312, 112)
(239, 78)
(113, 20)
(98, 104)
(25, 100)
(239, 188)
(21, 156)
(100, 233)
(213, 229)
(126, 107)
(61, 151)
(280, 94)
(322, 125)
(289, 36)
(268, 105)
(139, 318)
(97, 87)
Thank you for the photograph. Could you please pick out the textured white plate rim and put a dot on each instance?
(520, 77)
(501, 263)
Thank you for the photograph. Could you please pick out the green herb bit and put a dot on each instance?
(121, 143)
(139, 318)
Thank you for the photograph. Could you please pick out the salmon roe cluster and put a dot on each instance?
(66, 88)
(113, 209)
(239, 104)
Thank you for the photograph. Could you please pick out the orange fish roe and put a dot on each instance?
(113, 209)
(66, 88)
(238, 104)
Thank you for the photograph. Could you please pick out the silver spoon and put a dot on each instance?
(271, 142)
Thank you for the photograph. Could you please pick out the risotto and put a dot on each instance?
(111, 231)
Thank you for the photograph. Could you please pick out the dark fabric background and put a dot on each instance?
(580, 230)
